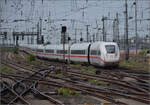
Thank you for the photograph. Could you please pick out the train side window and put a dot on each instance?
(62, 51)
(78, 52)
(49, 51)
(33, 50)
(93, 52)
(39, 50)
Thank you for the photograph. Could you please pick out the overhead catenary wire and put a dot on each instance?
(79, 8)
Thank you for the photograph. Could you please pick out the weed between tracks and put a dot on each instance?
(59, 75)
(28, 66)
(30, 58)
(78, 65)
(96, 82)
(15, 50)
(66, 92)
(5, 70)
(37, 62)
(90, 70)
(18, 57)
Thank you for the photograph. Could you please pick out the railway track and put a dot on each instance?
(115, 73)
(21, 85)
(15, 92)
(97, 93)
(59, 84)
(20, 88)
(130, 88)
(119, 73)
(91, 90)
(110, 80)
(105, 91)
(106, 79)
(102, 91)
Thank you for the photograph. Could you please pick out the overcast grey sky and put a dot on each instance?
(77, 13)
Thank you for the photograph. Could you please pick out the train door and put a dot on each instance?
(89, 53)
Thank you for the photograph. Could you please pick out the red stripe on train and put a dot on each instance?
(95, 57)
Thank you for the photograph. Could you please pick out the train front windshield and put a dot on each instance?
(110, 49)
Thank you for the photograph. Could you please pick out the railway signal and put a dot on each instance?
(81, 39)
(42, 39)
(5, 35)
(69, 45)
(22, 36)
(63, 31)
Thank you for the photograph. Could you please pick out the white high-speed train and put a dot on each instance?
(97, 53)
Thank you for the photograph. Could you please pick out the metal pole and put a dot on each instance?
(104, 33)
(149, 21)
(136, 26)
(114, 36)
(32, 37)
(40, 30)
(63, 35)
(118, 41)
(81, 39)
(97, 38)
(38, 33)
(127, 44)
(69, 44)
(75, 35)
(87, 30)
(93, 37)
(103, 28)
(0, 27)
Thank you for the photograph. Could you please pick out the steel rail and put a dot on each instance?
(127, 83)
(19, 95)
(12, 94)
(89, 88)
(51, 99)
(105, 79)
(40, 74)
(58, 84)
(94, 89)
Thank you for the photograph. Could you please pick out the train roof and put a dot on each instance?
(56, 46)
(75, 46)
(104, 43)
(81, 46)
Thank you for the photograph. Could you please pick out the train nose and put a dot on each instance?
(110, 57)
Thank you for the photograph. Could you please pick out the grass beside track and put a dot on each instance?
(90, 70)
(15, 50)
(136, 63)
(66, 92)
(4, 69)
